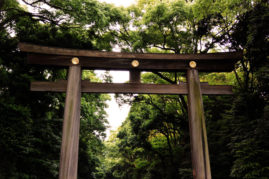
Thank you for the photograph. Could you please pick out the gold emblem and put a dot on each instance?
(135, 63)
(75, 60)
(192, 64)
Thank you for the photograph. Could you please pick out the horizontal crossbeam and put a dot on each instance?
(211, 62)
(136, 88)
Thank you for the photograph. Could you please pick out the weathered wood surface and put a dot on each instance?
(137, 88)
(211, 62)
(70, 136)
(199, 146)
(135, 76)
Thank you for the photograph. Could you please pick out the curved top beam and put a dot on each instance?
(44, 55)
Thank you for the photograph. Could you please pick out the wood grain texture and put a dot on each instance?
(218, 65)
(25, 47)
(71, 124)
(137, 88)
(211, 62)
(135, 76)
(199, 146)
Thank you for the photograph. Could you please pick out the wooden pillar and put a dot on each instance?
(134, 76)
(71, 123)
(199, 146)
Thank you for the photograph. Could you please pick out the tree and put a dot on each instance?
(235, 125)
(31, 122)
(250, 111)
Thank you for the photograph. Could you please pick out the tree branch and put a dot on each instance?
(164, 48)
(237, 78)
(165, 78)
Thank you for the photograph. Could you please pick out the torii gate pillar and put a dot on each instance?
(71, 124)
(199, 145)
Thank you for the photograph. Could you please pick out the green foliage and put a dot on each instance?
(30, 135)
(179, 26)
(236, 125)
(250, 120)
(31, 122)
(153, 141)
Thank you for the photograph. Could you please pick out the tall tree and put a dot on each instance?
(249, 142)
(31, 122)
(235, 125)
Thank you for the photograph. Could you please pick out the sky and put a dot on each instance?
(116, 114)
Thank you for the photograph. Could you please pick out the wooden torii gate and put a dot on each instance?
(77, 59)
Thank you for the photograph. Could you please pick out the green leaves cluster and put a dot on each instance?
(180, 26)
(31, 122)
(153, 142)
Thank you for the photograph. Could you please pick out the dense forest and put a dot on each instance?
(153, 142)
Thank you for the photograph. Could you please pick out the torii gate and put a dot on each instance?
(76, 59)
